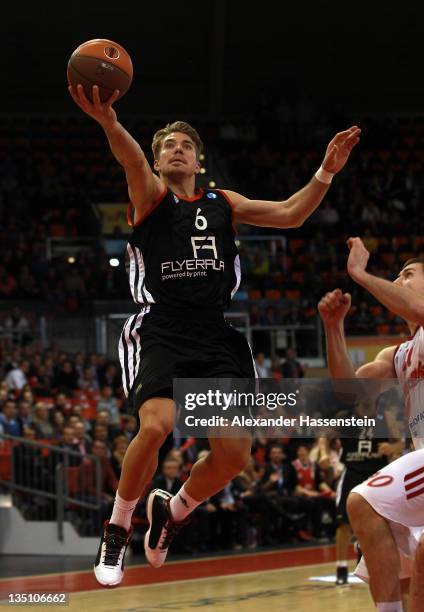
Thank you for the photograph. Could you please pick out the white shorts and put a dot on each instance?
(397, 493)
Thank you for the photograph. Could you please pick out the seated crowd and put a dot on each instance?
(76, 404)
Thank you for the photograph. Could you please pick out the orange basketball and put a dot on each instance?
(100, 62)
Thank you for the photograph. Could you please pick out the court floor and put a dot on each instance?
(295, 580)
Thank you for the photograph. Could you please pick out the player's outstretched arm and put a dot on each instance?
(144, 186)
(407, 304)
(296, 209)
(333, 308)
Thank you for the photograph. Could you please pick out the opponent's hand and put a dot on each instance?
(102, 112)
(339, 149)
(333, 307)
(358, 257)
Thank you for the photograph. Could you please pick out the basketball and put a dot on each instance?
(100, 62)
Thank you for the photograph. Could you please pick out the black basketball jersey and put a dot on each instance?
(360, 449)
(183, 254)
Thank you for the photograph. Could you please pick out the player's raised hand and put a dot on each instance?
(339, 149)
(333, 307)
(102, 112)
(358, 257)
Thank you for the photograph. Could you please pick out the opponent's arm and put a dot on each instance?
(298, 207)
(407, 304)
(144, 187)
(333, 309)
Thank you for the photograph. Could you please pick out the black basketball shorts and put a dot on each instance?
(162, 343)
(348, 481)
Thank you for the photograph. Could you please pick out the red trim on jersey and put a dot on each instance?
(413, 474)
(226, 197)
(415, 493)
(154, 205)
(394, 354)
(197, 196)
(231, 205)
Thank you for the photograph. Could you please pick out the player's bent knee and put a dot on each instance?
(355, 506)
(156, 433)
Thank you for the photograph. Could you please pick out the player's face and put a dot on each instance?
(412, 277)
(177, 156)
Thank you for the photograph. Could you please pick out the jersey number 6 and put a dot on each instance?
(201, 222)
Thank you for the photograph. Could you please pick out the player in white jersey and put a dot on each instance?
(387, 511)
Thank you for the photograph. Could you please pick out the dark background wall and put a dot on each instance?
(218, 55)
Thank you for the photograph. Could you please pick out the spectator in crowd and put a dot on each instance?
(261, 368)
(40, 382)
(9, 419)
(72, 420)
(28, 463)
(17, 326)
(87, 478)
(67, 441)
(16, 378)
(58, 423)
(291, 367)
(89, 381)
(279, 482)
(77, 410)
(24, 414)
(103, 418)
(4, 395)
(62, 403)
(362, 319)
(28, 396)
(317, 495)
(169, 479)
(100, 434)
(328, 215)
(41, 423)
(109, 403)
(66, 378)
(276, 369)
(120, 445)
(82, 439)
(232, 518)
(128, 426)
(245, 488)
(109, 375)
(326, 453)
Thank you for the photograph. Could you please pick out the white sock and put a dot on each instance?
(123, 511)
(341, 563)
(390, 606)
(182, 504)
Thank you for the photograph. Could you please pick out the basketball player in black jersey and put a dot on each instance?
(183, 269)
(365, 451)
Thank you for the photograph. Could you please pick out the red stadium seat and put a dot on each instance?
(295, 245)
(292, 294)
(5, 461)
(273, 295)
(388, 258)
(298, 277)
(255, 294)
(72, 480)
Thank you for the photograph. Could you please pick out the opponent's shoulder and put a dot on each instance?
(381, 367)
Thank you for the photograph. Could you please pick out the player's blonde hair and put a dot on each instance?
(177, 126)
